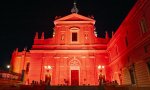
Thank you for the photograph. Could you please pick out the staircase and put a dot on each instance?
(74, 88)
(7, 84)
(95, 88)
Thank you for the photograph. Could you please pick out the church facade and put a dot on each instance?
(72, 55)
(76, 56)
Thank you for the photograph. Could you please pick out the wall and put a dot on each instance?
(130, 46)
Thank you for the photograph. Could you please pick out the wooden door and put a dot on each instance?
(74, 77)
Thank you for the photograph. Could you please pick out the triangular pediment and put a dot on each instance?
(74, 17)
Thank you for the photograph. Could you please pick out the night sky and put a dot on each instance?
(20, 19)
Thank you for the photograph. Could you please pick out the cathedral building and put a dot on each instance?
(76, 56)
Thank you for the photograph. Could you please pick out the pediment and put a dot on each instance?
(74, 17)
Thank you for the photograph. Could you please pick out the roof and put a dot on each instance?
(74, 18)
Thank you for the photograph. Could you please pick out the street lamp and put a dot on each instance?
(8, 66)
(101, 67)
(101, 75)
(48, 67)
(48, 74)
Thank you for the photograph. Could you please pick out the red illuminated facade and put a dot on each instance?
(75, 56)
(72, 55)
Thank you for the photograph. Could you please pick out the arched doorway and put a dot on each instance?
(74, 72)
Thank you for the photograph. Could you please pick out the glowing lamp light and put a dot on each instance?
(103, 66)
(48, 67)
(45, 67)
(8, 66)
(99, 67)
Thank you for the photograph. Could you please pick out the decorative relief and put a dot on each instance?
(74, 62)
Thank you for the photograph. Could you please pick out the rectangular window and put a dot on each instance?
(132, 74)
(126, 41)
(116, 49)
(146, 49)
(148, 65)
(74, 37)
(143, 26)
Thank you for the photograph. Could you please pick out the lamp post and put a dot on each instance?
(48, 74)
(101, 76)
(8, 76)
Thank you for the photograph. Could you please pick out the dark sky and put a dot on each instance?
(20, 19)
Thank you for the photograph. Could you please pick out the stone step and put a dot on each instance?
(38, 87)
(72, 88)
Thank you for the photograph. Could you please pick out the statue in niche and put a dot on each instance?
(62, 37)
(86, 36)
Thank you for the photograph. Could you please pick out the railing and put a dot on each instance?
(8, 75)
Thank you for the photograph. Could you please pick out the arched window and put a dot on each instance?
(27, 67)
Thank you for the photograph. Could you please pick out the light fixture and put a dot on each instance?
(8, 66)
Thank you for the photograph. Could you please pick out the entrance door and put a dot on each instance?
(132, 76)
(74, 77)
